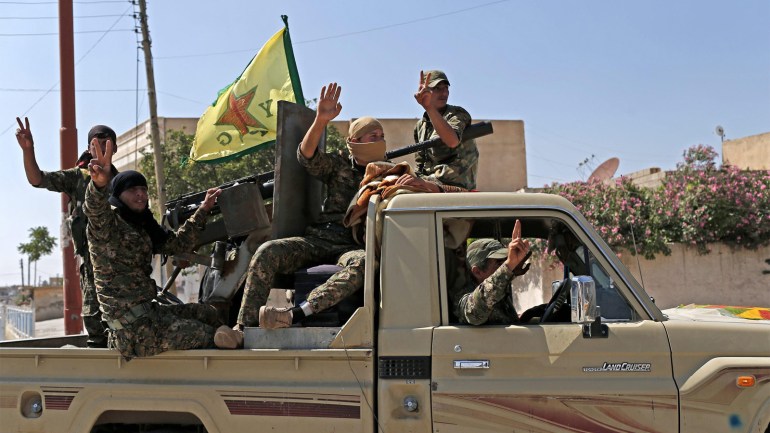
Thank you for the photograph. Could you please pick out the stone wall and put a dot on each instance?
(724, 276)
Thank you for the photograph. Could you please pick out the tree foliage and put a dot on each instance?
(184, 177)
(696, 204)
(40, 244)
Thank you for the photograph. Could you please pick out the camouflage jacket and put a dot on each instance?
(490, 302)
(341, 179)
(456, 166)
(122, 253)
(72, 182)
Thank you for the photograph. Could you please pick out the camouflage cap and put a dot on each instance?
(482, 249)
(436, 77)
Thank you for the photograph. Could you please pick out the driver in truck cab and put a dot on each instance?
(487, 299)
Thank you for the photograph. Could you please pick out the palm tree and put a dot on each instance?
(40, 244)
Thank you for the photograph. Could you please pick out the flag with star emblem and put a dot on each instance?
(243, 117)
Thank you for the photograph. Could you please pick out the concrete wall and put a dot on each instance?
(49, 302)
(724, 276)
(749, 153)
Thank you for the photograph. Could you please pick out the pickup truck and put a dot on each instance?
(599, 356)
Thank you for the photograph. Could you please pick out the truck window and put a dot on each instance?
(557, 253)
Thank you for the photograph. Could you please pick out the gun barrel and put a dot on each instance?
(473, 131)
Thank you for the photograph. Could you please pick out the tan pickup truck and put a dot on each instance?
(599, 357)
(403, 363)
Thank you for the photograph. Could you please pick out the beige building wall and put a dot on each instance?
(49, 302)
(748, 153)
(136, 140)
(502, 159)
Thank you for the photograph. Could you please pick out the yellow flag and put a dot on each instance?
(243, 118)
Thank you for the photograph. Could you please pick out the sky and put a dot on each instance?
(592, 79)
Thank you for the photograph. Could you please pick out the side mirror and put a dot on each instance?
(584, 308)
(583, 297)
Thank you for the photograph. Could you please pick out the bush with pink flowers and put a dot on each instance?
(697, 204)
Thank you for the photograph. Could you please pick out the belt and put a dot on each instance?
(132, 315)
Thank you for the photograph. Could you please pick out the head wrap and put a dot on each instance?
(143, 219)
(365, 153)
(102, 130)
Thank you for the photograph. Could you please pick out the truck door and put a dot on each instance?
(547, 377)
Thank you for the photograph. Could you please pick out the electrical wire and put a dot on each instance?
(343, 35)
(56, 17)
(57, 33)
(57, 82)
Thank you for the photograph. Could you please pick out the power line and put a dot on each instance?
(342, 35)
(57, 82)
(56, 17)
(56, 2)
(57, 33)
(2, 89)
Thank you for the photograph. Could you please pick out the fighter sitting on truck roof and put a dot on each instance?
(326, 241)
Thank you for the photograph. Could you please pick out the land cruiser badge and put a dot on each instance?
(621, 367)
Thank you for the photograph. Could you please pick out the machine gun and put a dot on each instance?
(243, 222)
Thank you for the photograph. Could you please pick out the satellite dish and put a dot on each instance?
(720, 131)
(605, 170)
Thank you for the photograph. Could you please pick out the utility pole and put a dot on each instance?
(154, 129)
(68, 137)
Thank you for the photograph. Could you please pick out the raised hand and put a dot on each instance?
(211, 199)
(24, 134)
(424, 93)
(329, 106)
(100, 167)
(518, 251)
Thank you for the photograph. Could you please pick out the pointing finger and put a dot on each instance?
(21, 125)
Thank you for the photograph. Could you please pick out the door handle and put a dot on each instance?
(478, 363)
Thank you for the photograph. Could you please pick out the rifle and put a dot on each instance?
(473, 131)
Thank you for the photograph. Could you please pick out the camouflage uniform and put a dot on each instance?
(73, 182)
(490, 302)
(122, 254)
(449, 166)
(326, 241)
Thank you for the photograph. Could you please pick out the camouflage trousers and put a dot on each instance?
(92, 316)
(285, 256)
(342, 284)
(167, 327)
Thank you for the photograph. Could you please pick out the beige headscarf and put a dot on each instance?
(365, 152)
